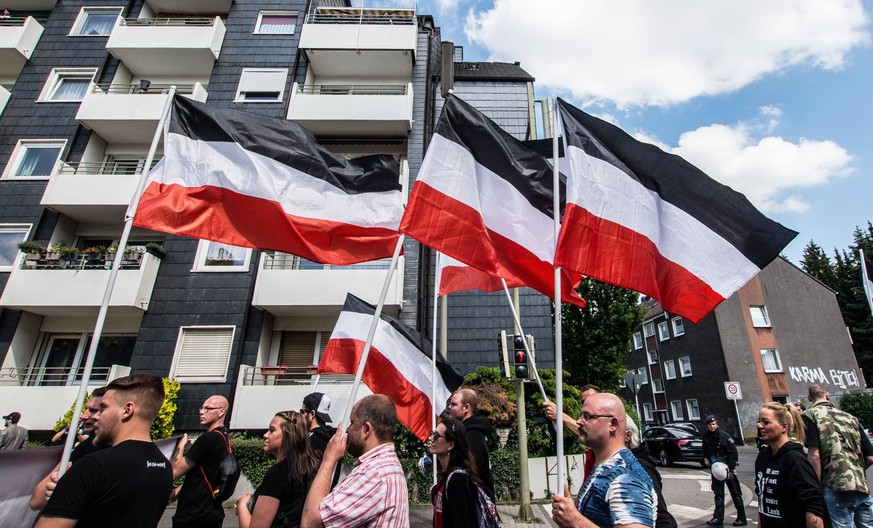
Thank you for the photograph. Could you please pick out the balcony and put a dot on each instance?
(44, 394)
(93, 193)
(191, 7)
(18, 39)
(129, 113)
(337, 110)
(74, 285)
(354, 42)
(167, 46)
(30, 5)
(290, 286)
(4, 98)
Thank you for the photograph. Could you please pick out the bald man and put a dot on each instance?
(197, 507)
(619, 492)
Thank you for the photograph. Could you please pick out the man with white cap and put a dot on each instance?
(316, 410)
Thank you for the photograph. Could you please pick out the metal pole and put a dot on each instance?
(559, 361)
(525, 512)
(739, 424)
(433, 368)
(514, 307)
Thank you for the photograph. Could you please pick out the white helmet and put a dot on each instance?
(720, 470)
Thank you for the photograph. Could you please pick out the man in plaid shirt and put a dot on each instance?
(374, 494)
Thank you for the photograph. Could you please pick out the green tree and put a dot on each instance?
(597, 338)
(816, 262)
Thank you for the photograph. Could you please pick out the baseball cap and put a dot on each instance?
(320, 403)
(710, 419)
(14, 416)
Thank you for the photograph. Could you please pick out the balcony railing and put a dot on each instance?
(49, 376)
(252, 376)
(78, 261)
(284, 261)
(365, 17)
(140, 88)
(12, 21)
(167, 21)
(352, 89)
(120, 167)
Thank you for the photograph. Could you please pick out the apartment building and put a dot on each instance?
(769, 341)
(82, 87)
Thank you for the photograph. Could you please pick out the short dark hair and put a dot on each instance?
(817, 392)
(590, 386)
(99, 392)
(380, 412)
(146, 390)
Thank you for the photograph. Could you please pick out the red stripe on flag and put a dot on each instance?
(463, 278)
(613, 253)
(465, 237)
(342, 356)
(221, 215)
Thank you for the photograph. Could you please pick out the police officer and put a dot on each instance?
(718, 446)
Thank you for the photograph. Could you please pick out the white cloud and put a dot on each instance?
(639, 52)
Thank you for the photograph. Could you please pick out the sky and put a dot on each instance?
(773, 98)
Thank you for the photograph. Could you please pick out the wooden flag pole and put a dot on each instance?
(559, 360)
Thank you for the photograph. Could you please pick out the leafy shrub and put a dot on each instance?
(65, 420)
(859, 404)
(249, 452)
(163, 425)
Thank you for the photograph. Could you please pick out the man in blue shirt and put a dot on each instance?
(618, 492)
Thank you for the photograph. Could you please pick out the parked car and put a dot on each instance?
(668, 444)
(685, 425)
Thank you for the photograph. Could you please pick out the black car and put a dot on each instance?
(668, 444)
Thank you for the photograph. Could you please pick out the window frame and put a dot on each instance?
(253, 73)
(645, 372)
(20, 151)
(678, 326)
(649, 329)
(647, 412)
(56, 79)
(669, 369)
(180, 341)
(674, 405)
(638, 340)
(657, 385)
(776, 357)
(200, 257)
(82, 19)
(763, 319)
(13, 228)
(275, 13)
(693, 411)
(663, 331)
(685, 360)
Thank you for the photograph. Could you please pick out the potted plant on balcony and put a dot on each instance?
(95, 255)
(33, 251)
(273, 370)
(155, 249)
(133, 254)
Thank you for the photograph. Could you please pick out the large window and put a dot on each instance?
(95, 21)
(638, 341)
(34, 158)
(214, 256)
(645, 373)
(669, 369)
(772, 363)
(693, 409)
(10, 236)
(685, 366)
(760, 317)
(276, 23)
(649, 329)
(676, 407)
(202, 354)
(63, 358)
(67, 84)
(261, 85)
(663, 331)
(678, 326)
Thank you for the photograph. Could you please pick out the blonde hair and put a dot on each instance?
(788, 415)
(634, 441)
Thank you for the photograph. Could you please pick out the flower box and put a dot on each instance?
(270, 370)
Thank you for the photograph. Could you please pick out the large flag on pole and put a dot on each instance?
(650, 221)
(485, 199)
(247, 180)
(866, 274)
(399, 365)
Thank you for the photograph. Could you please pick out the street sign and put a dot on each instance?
(732, 390)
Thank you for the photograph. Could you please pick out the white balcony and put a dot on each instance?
(289, 286)
(167, 46)
(335, 110)
(77, 287)
(18, 39)
(30, 5)
(93, 193)
(4, 98)
(129, 113)
(370, 43)
(191, 7)
(42, 395)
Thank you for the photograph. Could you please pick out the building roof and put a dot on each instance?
(491, 71)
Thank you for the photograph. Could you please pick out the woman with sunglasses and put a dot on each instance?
(455, 494)
(279, 499)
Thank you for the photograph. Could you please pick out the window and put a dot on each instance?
(649, 329)
(647, 412)
(658, 385)
(67, 84)
(685, 366)
(693, 409)
(62, 360)
(760, 317)
(202, 354)
(676, 407)
(301, 349)
(772, 363)
(214, 256)
(95, 21)
(645, 373)
(638, 341)
(663, 331)
(34, 159)
(261, 85)
(10, 236)
(678, 327)
(653, 356)
(670, 369)
(276, 23)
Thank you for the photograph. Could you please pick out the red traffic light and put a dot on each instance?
(520, 357)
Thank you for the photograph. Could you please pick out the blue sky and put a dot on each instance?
(772, 98)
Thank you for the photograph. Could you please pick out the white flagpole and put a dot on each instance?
(559, 360)
(110, 284)
(433, 375)
(530, 357)
(376, 317)
(868, 285)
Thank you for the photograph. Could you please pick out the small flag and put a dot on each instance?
(866, 274)
(643, 219)
(252, 181)
(398, 366)
(456, 276)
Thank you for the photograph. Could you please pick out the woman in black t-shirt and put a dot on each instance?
(279, 499)
(455, 494)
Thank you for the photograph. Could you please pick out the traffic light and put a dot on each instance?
(521, 359)
(502, 355)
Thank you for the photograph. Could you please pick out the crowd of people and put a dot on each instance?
(118, 477)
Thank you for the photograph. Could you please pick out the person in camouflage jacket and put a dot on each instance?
(833, 439)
